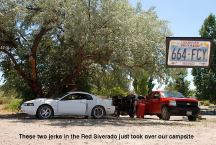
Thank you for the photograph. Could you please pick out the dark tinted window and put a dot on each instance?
(78, 96)
(87, 97)
(72, 97)
(156, 95)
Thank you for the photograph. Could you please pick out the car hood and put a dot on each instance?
(39, 100)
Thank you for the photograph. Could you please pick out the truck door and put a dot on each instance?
(155, 103)
(148, 108)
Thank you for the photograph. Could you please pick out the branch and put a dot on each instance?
(22, 36)
(16, 66)
(38, 38)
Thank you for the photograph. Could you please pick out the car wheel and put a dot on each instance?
(98, 112)
(192, 118)
(45, 112)
(165, 114)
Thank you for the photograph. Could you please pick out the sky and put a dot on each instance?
(185, 17)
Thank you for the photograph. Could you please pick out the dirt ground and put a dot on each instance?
(18, 129)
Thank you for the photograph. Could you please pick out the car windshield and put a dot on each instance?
(172, 94)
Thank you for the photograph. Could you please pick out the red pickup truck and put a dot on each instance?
(167, 103)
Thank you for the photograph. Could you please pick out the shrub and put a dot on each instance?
(205, 103)
(1, 101)
(4, 100)
(14, 105)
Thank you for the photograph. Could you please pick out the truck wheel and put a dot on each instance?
(165, 114)
(98, 112)
(131, 113)
(131, 116)
(159, 116)
(44, 112)
(192, 118)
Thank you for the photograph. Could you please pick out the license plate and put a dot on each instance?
(189, 113)
(188, 53)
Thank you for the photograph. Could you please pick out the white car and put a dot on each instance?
(72, 103)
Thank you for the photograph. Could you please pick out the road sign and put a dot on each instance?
(188, 51)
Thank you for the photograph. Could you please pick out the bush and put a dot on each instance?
(117, 91)
(205, 103)
(3, 100)
(14, 105)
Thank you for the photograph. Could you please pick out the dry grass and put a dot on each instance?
(3, 110)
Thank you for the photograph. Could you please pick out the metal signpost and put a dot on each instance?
(188, 51)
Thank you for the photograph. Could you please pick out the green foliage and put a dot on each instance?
(192, 92)
(115, 91)
(6, 96)
(3, 100)
(180, 84)
(142, 83)
(15, 86)
(54, 46)
(14, 104)
(109, 80)
(150, 84)
(205, 78)
(205, 103)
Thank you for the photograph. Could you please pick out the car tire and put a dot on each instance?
(98, 112)
(44, 112)
(165, 114)
(192, 118)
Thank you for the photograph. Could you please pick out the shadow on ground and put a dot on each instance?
(80, 121)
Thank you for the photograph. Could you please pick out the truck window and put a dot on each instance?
(156, 95)
(148, 97)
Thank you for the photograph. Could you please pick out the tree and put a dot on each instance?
(143, 83)
(180, 84)
(140, 83)
(205, 78)
(53, 46)
(110, 80)
(150, 84)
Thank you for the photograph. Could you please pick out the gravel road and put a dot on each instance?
(60, 131)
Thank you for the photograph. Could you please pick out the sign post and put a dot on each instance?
(188, 51)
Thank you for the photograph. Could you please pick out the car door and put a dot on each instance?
(72, 104)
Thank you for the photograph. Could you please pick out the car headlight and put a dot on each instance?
(28, 104)
(172, 103)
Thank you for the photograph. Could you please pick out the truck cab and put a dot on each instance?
(170, 103)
